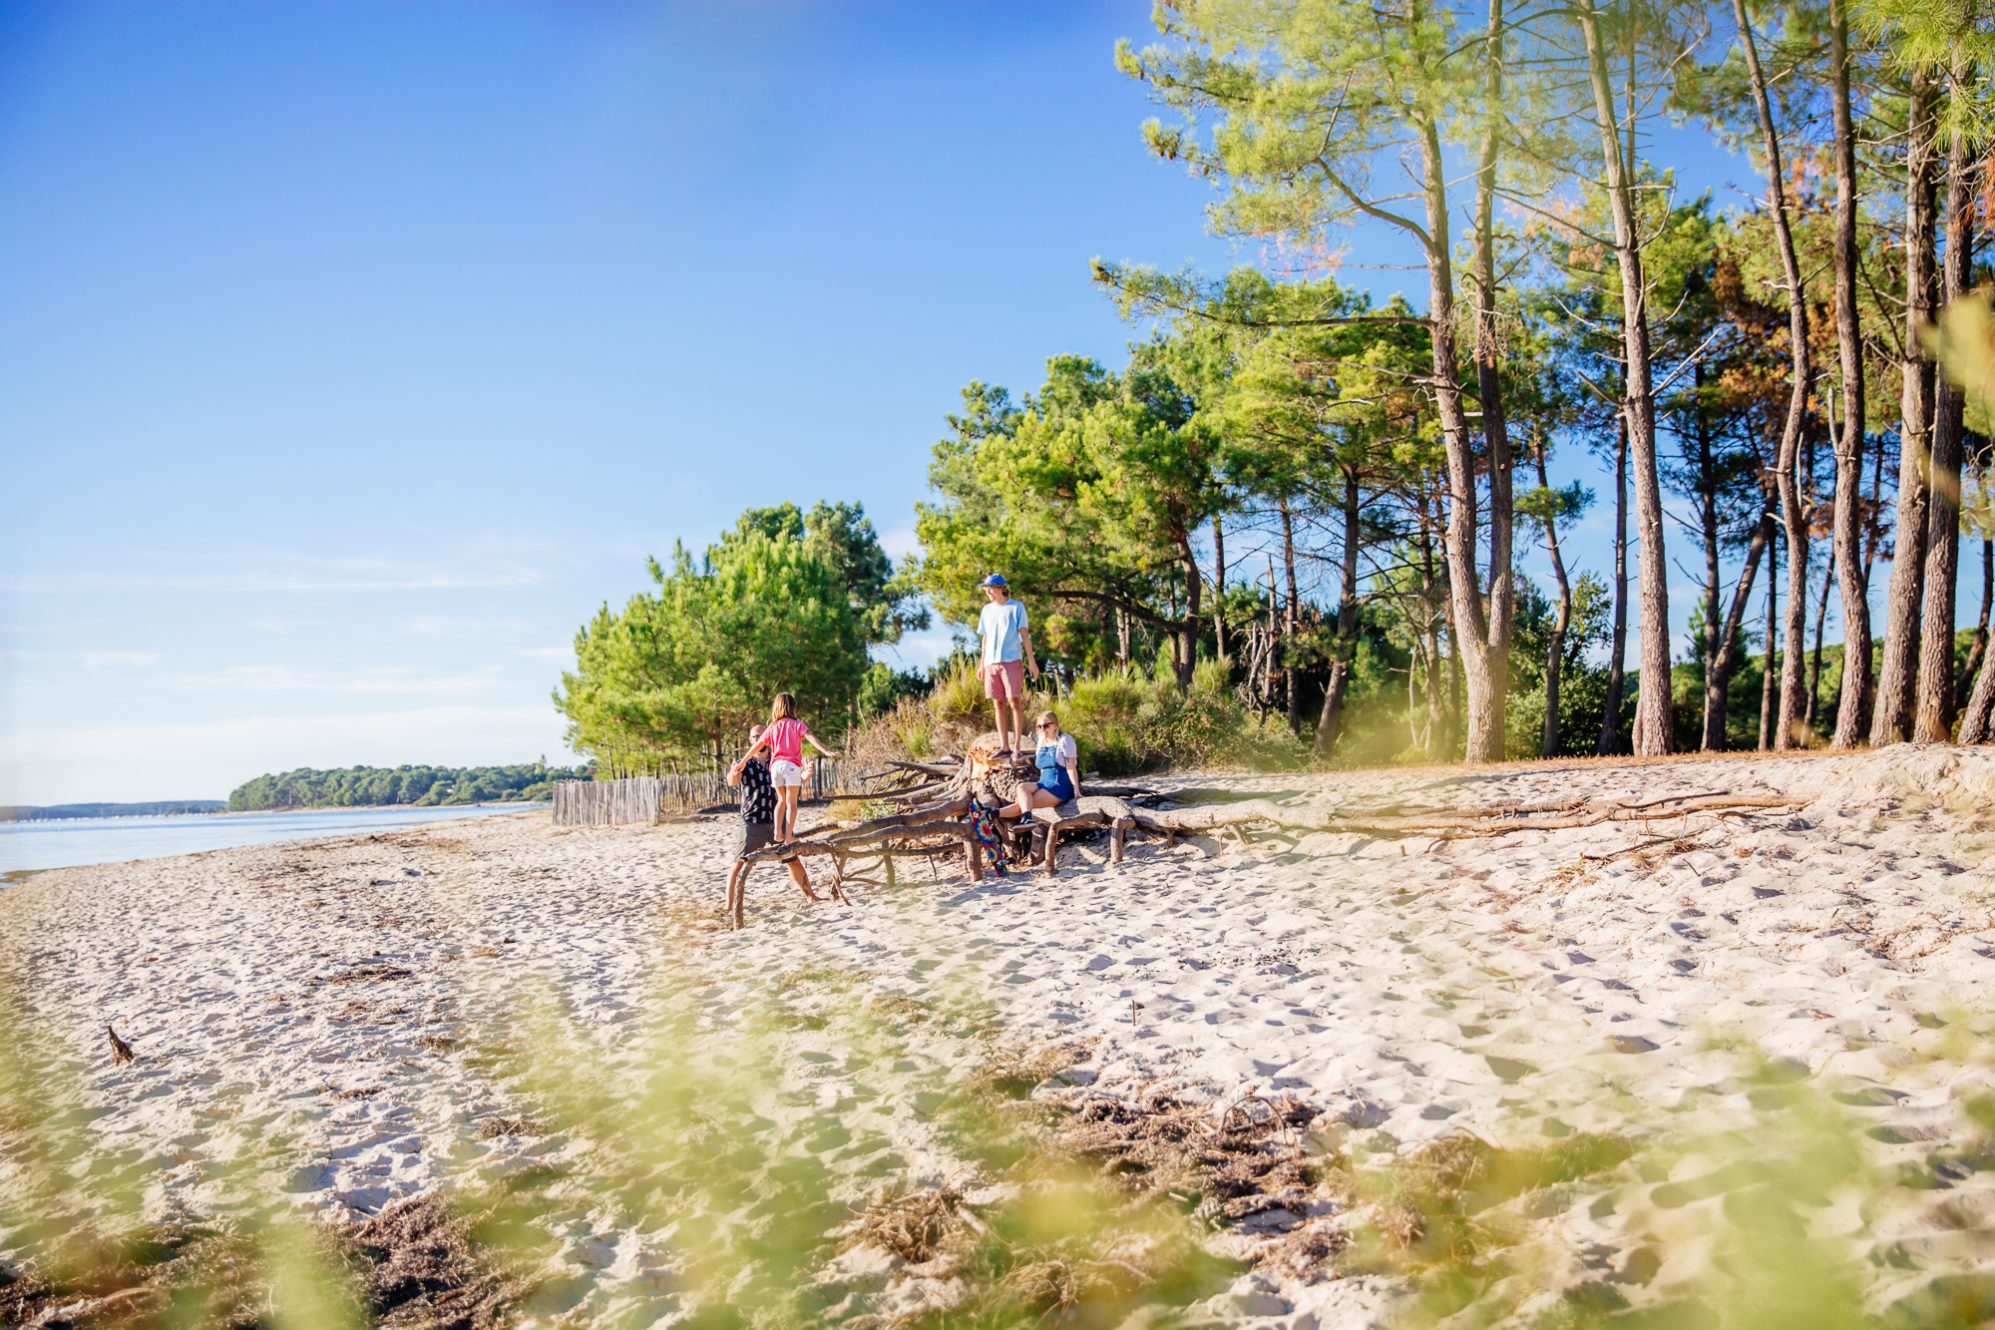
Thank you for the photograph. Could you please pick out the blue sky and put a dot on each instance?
(351, 354)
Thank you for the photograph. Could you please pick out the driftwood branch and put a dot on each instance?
(936, 802)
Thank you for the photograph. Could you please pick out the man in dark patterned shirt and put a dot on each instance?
(758, 828)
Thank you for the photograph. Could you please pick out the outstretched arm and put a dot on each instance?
(811, 739)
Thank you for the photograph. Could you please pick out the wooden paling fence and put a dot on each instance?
(602, 803)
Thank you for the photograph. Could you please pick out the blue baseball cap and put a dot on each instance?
(995, 579)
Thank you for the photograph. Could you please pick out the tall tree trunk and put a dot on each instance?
(1850, 715)
(1617, 646)
(1274, 632)
(1188, 626)
(1489, 387)
(1725, 659)
(1975, 718)
(1555, 650)
(1793, 521)
(1706, 484)
(1431, 608)
(1934, 722)
(1289, 621)
(1219, 586)
(1121, 636)
(1330, 722)
(1898, 668)
(1654, 719)
(1769, 716)
(1872, 523)
(1815, 660)
(1979, 648)
(1470, 624)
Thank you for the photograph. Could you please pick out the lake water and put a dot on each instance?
(104, 840)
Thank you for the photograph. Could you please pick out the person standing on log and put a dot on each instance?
(1007, 655)
(758, 826)
(785, 737)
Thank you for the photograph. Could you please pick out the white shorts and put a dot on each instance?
(786, 775)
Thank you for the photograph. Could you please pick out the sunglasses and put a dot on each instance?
(1045, 725)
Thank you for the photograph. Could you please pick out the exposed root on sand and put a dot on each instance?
(936, 802)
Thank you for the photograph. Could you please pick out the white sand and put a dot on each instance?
(1409, 989)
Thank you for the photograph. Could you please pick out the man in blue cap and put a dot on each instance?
(1007, 655)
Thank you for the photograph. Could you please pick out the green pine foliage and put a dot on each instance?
(785, 602)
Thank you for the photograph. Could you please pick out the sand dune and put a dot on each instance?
(332, 1000)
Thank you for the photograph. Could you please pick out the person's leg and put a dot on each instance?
(802, 879)
(786, 814)
(1015, 686)
(993, 689)
(737, 890)
(1029, 798)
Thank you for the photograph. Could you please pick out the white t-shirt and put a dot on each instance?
(1000, 625)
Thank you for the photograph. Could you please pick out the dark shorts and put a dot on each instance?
(756, 836)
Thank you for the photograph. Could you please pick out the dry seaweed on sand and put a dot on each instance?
(1253, 1158)
(173, 1272)
(916, 1224)
(422, 1268)
(1014, 1070)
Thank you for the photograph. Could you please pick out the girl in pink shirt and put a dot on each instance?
(785, 739)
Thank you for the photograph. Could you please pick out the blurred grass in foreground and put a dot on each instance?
(744, 1170)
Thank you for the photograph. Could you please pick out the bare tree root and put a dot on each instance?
(936, 801)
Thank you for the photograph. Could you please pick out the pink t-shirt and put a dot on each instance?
(786, 739)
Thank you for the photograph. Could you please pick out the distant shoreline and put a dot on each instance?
(75, 842)
(261, 812)
(370, 808)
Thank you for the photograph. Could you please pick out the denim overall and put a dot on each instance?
(1053, 776)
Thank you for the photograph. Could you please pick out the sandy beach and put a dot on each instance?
(342, 1004)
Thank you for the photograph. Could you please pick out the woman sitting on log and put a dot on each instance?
(1059, 760)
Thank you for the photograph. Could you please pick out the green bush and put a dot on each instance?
(1128, 720)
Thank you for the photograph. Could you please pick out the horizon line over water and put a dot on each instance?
(41, 844)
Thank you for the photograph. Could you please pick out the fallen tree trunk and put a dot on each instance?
(945, 827)
(930, 827)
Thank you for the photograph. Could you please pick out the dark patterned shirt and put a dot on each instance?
(758, 792)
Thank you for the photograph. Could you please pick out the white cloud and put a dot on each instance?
(188, 760)
(439, 626)
(376, 681)
(545, 653)
(101, 662)
(302, 573)
(898, 541)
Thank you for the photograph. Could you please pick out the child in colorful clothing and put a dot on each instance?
(785, 739)
(758, 810)
(1059, 759)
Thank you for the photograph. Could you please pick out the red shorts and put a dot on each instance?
(1005, 679)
